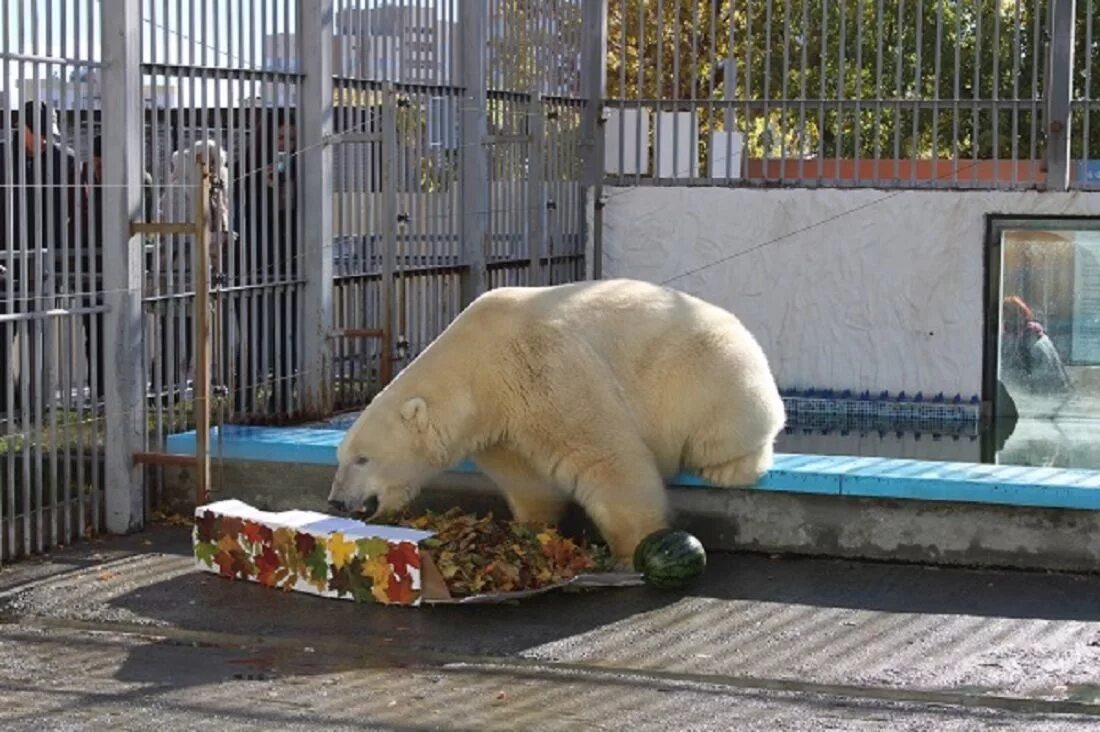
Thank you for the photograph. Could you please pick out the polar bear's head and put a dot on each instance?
(394, 447)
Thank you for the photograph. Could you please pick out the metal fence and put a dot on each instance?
(371, 167)
(929, 93)
(51, 307)
(468, 131)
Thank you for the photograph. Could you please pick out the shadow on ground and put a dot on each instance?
(255, 631)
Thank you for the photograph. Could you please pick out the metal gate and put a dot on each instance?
(52, 292)
(372, 167)
(456, 167)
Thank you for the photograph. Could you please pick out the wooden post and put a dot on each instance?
(202, 338)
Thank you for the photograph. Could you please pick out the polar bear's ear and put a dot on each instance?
(415, 410)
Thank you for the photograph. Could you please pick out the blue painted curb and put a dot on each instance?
(860, 477)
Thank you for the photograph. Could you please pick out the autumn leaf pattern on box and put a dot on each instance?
(364, 570)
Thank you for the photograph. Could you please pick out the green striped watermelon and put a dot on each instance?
(670, 558)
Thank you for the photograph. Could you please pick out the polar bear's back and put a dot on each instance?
(627, 322)
(685, 367)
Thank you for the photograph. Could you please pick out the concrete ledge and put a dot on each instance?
(813, 474)
(963, 534)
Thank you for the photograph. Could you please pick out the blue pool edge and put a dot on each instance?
(830, 475)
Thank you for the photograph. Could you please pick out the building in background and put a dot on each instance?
(387, 43)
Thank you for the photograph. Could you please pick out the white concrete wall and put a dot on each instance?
(846, 289)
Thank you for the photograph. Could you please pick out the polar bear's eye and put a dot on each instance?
(361, 461)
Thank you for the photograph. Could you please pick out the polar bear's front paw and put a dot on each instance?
(741, 473)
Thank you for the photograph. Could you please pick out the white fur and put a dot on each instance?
(596, 391)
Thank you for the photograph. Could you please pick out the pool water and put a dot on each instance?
(1060, 443)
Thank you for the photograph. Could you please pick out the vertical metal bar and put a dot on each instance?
(1016, 94)
(692, 170)
(841, 53)
(82, 24)
(389, 229)
(292, 241)
(58, 243)
(729, 90)
(536, 188)
(1036, 46)
(975, 115)
(899, 55)
(955, 99)
(181, 351)
(712, 116)
(43, 231)
(640, 92)
(822, 82)
(7, 501)
(267, 200)
(659, 92)
(315, 232)
(150, 311)
(279, 292)
(1061, 91)
(768, 85)
(593, 53)
(95, 24)
(122, 263)
(27, 304)
(475, 155)
(996, 87)
(918, 68)
(677, 92)
(244, 184)
(857, 121)
(234, 136)
(936, 69)
(1086, 125)
(878, 89)
(785, 87)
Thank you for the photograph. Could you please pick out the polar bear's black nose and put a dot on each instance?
(337, 506)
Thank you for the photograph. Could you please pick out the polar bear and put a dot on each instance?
(595, 391)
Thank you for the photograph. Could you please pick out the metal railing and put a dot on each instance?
(371, 168)
(930, 93)
(52, 304)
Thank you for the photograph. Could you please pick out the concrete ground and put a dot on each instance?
(124, 634)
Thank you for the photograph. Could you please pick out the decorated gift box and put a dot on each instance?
(306, 551)
(336, 557)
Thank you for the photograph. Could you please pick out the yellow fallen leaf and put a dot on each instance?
(340, 549)
(228, 543)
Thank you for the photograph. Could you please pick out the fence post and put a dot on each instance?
(389, 232)
(1061, 95)
(315, 195)
(536, 189)
(473, 21)
(594, 87)
(122, 125)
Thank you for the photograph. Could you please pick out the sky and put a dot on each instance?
(223, 33)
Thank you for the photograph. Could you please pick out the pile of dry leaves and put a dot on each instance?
(481, 555)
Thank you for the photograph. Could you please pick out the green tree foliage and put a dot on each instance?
(855, 77)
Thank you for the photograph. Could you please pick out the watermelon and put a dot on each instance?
(670, 558)
(642, 549)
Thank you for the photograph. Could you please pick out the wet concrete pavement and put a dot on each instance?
(124, 634)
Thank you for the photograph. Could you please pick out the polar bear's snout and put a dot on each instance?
(352, 494)
(357, 490)
(367, 509)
